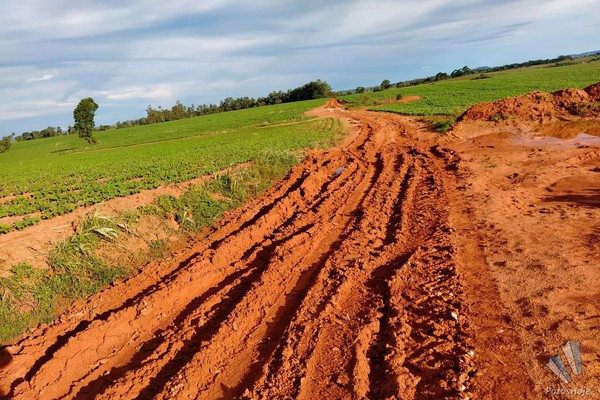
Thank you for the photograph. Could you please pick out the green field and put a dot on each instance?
(454, 96)
(48, 177)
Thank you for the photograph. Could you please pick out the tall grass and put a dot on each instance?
(30, 296)
(202, 205)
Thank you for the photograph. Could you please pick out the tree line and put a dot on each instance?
(440, 76)
(468, 71)
(312, 90)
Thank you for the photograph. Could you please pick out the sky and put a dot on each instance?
(131, 54)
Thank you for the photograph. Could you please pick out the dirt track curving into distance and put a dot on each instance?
(341, 282)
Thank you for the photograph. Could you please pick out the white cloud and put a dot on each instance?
(156, 92)
(45, 77)
(62, 19)
(196, 48)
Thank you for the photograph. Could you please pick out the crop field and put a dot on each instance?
(454, 96)
(49, 177)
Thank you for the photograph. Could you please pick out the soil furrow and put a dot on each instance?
(339, 282)
(322, 236)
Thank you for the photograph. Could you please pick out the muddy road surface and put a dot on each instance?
(359, 276)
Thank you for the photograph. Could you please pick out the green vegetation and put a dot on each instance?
(53, 176)
(443, 125)
(454, 96)
(5, 143)
(31, 296)
(310, 91)
(385, 84)
(202, 205)
(84, 119)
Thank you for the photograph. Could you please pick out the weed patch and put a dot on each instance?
(30, 296)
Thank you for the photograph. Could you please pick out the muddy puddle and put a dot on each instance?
(562, 134)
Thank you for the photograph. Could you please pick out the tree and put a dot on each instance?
(461, 72)
(359, 89)
(84, 119)
(385, 84)
(440, 76)
(5, 143)
(312, 90)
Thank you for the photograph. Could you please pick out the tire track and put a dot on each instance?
(329, 286)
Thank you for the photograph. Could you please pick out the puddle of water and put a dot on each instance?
(562, 134)
(583, 139)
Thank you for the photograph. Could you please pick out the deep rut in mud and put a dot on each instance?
(332, 285)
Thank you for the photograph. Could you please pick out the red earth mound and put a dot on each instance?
(539, 106)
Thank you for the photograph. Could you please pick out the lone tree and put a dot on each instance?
(84, 119)
(385, 84)
(5, 143)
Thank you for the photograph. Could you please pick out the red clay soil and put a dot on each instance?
(370, 271)
(539, 106)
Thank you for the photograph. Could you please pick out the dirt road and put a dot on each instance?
(360, 275)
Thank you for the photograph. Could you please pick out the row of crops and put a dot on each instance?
(49, 177)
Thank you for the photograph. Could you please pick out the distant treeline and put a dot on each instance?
(312, 90)
(44, 133)
(440, 76)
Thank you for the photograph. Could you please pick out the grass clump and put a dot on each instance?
(444, 125)
(30, 296)
(440, 124)
(202, 205)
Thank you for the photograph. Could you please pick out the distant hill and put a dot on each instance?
(589, 53)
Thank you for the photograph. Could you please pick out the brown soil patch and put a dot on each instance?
(11, 197)
(534, 202)
(11, 220)
(16, 218)
(407, 99)
(8, 198)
